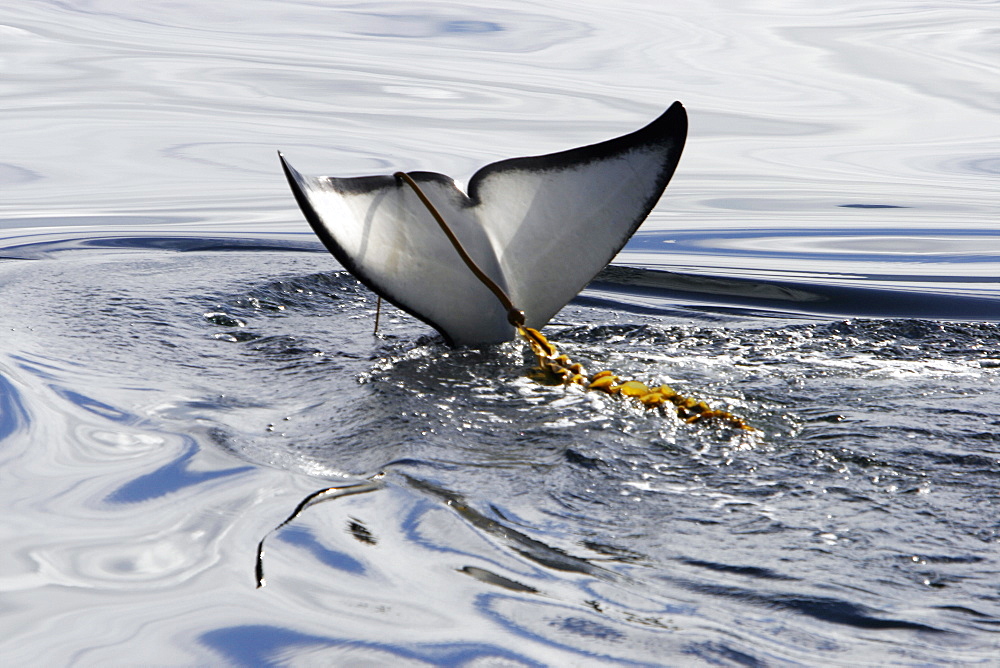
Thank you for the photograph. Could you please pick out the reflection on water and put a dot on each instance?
(570, 526)
(181, 363)
(860, 104)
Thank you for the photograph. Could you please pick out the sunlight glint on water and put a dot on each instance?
(181, 363)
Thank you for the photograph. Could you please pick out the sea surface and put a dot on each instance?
(182, 364)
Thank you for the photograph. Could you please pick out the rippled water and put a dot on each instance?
(181, 363)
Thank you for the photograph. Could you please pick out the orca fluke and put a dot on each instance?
(541, 227)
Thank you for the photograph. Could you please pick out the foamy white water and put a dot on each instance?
(181, 363)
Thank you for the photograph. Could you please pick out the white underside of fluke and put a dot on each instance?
(540, 227)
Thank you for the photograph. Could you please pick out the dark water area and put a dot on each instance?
(174, 419)
(182, 365)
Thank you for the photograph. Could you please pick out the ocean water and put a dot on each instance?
(182, 364)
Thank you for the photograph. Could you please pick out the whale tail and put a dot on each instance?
(540, 228)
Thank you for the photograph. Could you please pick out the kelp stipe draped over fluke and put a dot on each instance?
(539, 227)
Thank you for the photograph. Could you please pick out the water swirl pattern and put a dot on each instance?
(181, 362)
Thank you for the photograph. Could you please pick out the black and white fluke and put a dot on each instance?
(541, 227)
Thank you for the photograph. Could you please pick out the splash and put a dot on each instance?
(556, 369)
